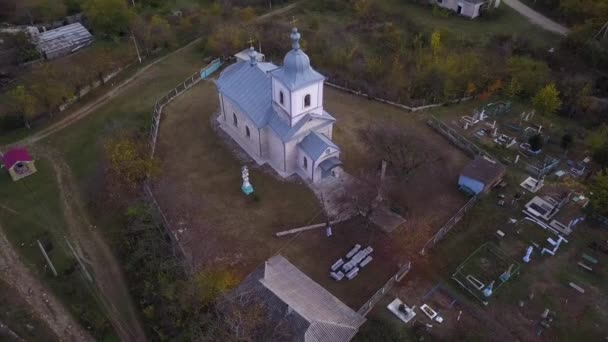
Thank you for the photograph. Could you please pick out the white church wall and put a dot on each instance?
(264, 133)
(297, 100)
(300, 164)
(291, 154)
(277, 87)
(252, 143)
(275, 151)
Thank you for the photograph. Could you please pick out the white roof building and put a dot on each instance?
(290, 296)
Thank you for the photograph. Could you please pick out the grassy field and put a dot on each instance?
(200, 188)
(38, 196)
(20, 318)
(35, 213)
(504, 20)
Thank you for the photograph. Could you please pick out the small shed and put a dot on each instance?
(467, 8)
(63, 40)
(19, 163)
(243, 56)
(481, 174)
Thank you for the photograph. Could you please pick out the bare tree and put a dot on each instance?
(404, 152)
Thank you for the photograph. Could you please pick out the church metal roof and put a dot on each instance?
(286, 132)
(250, 88)
(315, 144)
(329, 318)
(291, 299)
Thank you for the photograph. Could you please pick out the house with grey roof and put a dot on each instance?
(63, 40)
(275, 113)
(291, 300)
(467, 8)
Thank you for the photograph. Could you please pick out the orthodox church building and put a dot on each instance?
(275, 113)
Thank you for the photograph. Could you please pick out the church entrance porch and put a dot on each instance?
(331, 167)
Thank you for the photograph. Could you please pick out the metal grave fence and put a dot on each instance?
(369, 305)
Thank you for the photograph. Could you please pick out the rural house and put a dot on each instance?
(19, 163)
(276, 114)
(481, 175)
(467, 8)
(292, 301)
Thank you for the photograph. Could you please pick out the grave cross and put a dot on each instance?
(293, 21)
(251, 41)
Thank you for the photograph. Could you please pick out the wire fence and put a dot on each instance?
(458, 140)
(445, 229)
(175, 92)
(369, 305)
(392, 103)
(154, 130)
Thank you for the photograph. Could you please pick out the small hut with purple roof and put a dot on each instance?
(19, 163)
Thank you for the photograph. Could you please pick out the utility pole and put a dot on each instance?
(136, 48)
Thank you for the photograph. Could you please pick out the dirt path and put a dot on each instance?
(537, 18)
(90, 245)
(50, 309)
(119, 89)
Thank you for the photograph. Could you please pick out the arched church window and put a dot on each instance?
(305, 163)
(234, 119)
(247, 132)
(307, 101)
(281, 97)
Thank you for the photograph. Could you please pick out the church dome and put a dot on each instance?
(296, 61)
(296, 71)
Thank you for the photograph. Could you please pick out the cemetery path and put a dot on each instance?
(90, 245)
(537, 18)
(16, 274)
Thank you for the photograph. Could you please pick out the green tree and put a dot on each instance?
(599, 193)
(108, 18)
(161, 32)
(547, 101)
(536, 142)
(128, 164)
(436, 44)
(566, 142)
(597, 141)
(529, 73)
(49, 87)
(42, 10)
(25, 104)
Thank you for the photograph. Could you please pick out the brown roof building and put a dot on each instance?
(481, 175)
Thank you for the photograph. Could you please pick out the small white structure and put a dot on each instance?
(526, 257)
(405, 315)
(532, 184)
(467, 8)
(243, 56)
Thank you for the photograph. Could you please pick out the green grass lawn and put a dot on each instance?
(504, 20)
(81, 142)
(39, 217)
